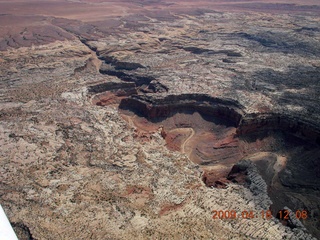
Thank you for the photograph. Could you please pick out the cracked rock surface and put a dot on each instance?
(141, 119)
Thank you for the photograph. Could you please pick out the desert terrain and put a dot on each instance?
(142, 119)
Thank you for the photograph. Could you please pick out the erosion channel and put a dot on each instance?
(217, 133)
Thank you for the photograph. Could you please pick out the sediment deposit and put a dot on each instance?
(139, 119)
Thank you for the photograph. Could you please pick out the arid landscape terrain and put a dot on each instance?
(143, 119)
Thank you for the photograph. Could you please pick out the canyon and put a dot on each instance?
(140, 119)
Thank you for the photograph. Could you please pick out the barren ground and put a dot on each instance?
(138, 119)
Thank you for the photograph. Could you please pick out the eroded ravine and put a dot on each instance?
(217, 133)
(217, 142)
(216, 148)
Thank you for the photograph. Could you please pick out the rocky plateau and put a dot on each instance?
(140, 119)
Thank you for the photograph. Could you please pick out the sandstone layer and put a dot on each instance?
(140, 119)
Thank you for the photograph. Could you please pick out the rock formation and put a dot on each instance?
(141, 118)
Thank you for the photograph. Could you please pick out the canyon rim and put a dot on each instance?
(142, 118)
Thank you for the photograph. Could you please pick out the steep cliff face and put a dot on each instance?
(283, 122)
(217, 133)
(154, 108)
(138, 119)
(231, 111)
(111, 92)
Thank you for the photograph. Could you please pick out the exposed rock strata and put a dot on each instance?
(70, 169)
(284, 122)
(158, 108)
(227, 109)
